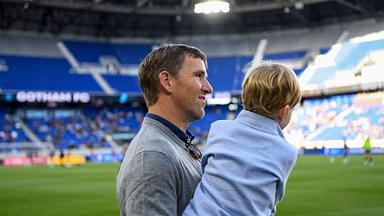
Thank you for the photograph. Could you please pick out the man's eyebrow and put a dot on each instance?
(201, 72)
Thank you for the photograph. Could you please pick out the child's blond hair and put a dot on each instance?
(268, 87)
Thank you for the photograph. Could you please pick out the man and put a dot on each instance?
(161, 167)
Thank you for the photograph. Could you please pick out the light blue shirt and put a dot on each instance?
(245, 165)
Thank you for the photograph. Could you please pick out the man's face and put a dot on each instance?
(191, 88)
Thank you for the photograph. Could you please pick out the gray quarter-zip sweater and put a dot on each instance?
(157, 175)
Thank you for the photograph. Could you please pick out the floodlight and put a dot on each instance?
(208, 7)
(299, 5)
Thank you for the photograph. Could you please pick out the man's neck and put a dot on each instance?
(169, 113)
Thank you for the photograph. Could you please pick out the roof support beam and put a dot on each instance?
(114, 8)
(353, 6)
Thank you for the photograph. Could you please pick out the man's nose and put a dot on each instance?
(207, 87)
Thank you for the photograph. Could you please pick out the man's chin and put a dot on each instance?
(200, 115)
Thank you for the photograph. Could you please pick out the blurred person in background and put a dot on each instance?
(368, 159)
(346, 157)
(247, 161)
(161, 167)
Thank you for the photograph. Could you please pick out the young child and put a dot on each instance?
(247, 161)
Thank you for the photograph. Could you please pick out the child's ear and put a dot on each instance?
(283, 112)
(283, 115)
(165, 81)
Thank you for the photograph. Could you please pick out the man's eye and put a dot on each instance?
(200, 75)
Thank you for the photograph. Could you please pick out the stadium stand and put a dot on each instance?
(106, 71)
(57, 74)
(344, 58)
(43, 74)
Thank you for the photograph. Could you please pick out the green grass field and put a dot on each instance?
(320, 188)
(316, 187)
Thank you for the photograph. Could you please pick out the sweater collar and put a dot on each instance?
(186, 137)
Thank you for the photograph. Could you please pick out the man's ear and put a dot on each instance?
(165, 81)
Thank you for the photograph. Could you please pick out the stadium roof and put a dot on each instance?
(168, 18)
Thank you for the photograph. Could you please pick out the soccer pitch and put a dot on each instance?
(316, 187)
